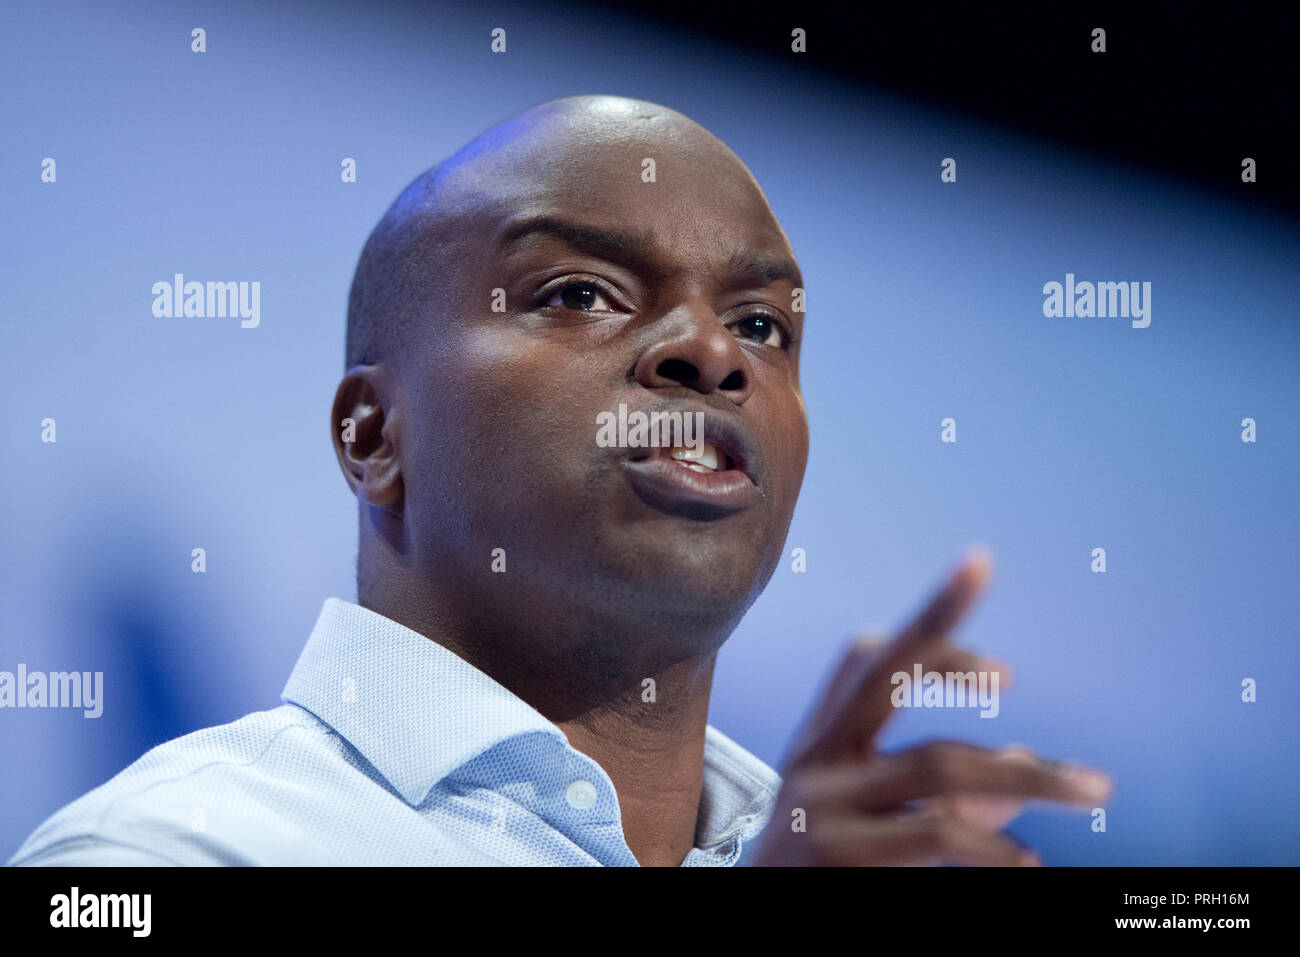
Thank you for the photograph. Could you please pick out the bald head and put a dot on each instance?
(409, 257)
(383, 277)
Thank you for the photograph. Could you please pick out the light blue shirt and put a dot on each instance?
(388, 750)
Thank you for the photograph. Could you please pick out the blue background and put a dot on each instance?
(925, 301)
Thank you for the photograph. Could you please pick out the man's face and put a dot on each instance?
(500, 436)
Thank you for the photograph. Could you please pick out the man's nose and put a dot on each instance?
(693, 348)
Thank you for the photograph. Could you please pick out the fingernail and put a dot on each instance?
(1016, 751)
(1002, 668)
(978, 560)
(1088, 785)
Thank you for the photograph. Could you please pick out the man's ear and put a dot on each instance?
(365, 430)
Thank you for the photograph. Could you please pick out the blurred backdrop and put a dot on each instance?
(925, 302)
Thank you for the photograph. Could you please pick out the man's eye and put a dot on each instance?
(762, 329)
(579, 295)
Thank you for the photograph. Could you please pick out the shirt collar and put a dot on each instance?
(739, 792)
(414, 710)
(417, 711)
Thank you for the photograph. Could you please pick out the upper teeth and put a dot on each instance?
(703, 459)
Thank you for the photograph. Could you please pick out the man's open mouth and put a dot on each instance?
(711, 477)
(706, 458)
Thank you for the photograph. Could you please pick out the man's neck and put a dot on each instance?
(654, 755)
(634, 707)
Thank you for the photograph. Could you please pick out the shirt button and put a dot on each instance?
(581, 795)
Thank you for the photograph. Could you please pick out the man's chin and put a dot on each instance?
(689, 579)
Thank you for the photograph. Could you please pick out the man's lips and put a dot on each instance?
(672, 485)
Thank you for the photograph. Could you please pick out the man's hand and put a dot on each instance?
(943, 802)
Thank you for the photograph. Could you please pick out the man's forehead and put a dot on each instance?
(601, 202)
(611, 182)
(560, 177)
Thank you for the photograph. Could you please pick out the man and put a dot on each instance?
(525, 676)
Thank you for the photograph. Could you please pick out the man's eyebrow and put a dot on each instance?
(746, 266)
(615, 245)
(749, 267)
